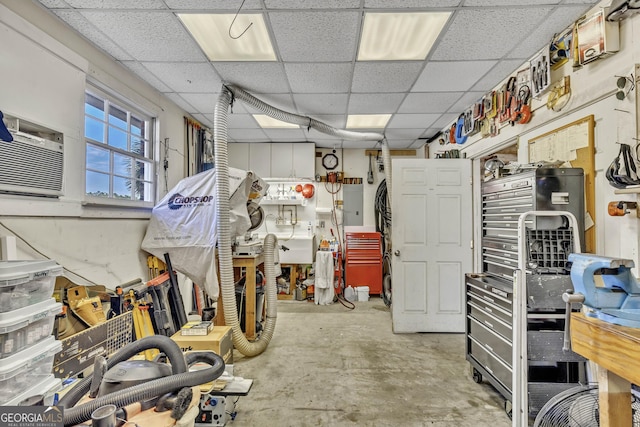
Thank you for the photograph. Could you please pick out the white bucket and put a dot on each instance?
(363, 293)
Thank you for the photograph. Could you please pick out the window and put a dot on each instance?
(119, 159)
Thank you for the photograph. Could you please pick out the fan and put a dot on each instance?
(578, 407)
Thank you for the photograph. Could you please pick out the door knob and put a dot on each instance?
(397, 252)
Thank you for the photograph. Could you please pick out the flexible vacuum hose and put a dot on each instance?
(140, 392)
(165, 344)
(227, 94)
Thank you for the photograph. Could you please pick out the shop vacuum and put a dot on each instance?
(159, 392)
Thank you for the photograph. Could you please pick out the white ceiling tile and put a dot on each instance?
(139, 70)
(285, 134)
(502, 29)
(259, 77)
(54, 4)
(451, 76)
(428, 102)
(589, 2)
(213, 5)
(203, 102)
(561, 18)
(400, 143)
(337, 121)
(247, 135)
(361, 145)
(282, 102)
(399, 4)
(311, 105)
(404, 133)
(327, 143)
(497, 74)
(316, 36)
(186, 76)
(90, 32)
(241, 121)
(177, 99)
(468, 99)
(116, 4)
(422, 121)
(417, 144)
(158, 39)
(319, 78)
(382, 76)
(312, 4)
(374, 103)
(445, 120)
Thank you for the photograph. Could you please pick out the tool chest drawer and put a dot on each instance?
(492, 318)
(490, 291)
(500, 370)
(492, 341)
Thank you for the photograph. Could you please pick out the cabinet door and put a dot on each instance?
(281, 159)
(304, 160)
(238, 155)
(259, 159)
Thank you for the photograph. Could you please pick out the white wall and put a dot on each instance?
(593, 92)
(43, 73)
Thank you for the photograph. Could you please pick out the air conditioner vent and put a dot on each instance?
(31, 165)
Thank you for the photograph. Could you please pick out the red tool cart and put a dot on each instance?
(363, 259)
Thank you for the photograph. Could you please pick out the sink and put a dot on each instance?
(302, 250)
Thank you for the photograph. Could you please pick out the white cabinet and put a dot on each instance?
(260, 159)
(238, 155)
(304, 160)
(282, 160)
(274, 160)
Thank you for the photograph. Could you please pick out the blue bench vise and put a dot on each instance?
(606, 288)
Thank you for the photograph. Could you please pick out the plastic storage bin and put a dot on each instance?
(46, 387)
(25, 369)
(24, 283)
(27, 326)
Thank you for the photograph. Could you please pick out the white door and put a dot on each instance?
(431, 238)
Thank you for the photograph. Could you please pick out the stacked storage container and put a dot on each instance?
(27, 316)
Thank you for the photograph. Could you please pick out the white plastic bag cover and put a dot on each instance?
(183, 224)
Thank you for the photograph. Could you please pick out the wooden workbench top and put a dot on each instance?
(615, 348)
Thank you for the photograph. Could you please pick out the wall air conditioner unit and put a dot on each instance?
(32, 164)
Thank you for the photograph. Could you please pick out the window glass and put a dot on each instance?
(117, 138)
(98, 184)
(117, 117)
(97, 159)
(93, 129)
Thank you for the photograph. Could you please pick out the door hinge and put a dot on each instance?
(471, 244)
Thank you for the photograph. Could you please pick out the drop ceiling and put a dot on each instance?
(316, 73)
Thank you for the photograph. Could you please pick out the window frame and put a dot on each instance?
(148, 138)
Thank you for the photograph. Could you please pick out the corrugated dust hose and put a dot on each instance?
(225, 256)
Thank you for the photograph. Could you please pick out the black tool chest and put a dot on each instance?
(489, 294)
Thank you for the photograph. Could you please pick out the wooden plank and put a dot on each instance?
(613, 347)
(615, 397)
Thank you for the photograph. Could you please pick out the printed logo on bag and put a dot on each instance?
(178, 200)
(31, 416)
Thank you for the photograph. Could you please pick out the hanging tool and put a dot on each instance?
(370, 173)
(158, 289)
(621, 208)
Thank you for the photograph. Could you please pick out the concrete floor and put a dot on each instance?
(329, 366)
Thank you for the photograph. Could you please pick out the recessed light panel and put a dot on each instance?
(269, 122)
(211, 32)
(400, 36)
(367, 121)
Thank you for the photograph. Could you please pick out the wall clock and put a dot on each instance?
(330, 161)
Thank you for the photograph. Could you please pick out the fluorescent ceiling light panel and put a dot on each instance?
(211, 31)
(268, 122)
(367, 121)
(400, 36)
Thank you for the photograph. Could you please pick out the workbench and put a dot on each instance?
(616, 352)
(249, 263)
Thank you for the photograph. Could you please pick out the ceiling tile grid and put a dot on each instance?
(316, 73)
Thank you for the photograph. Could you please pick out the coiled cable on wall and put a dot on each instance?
(227, 94)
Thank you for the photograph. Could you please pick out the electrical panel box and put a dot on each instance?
(353, 203)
